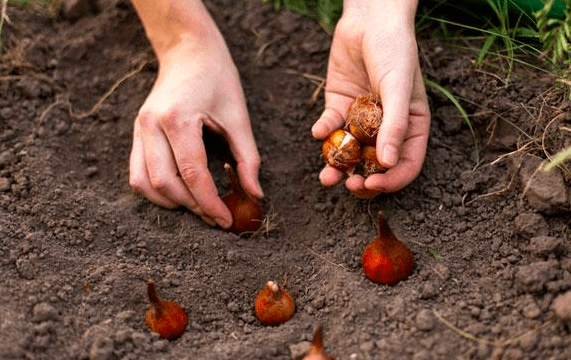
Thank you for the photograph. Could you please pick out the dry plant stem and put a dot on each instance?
(497, 343)
(561, 166)
(494, 193)
(99, 102)
(324, 258)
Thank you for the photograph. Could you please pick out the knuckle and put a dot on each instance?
(190, 174)
(158, 183)
(136, 184)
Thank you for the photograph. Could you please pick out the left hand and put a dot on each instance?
(374, 49)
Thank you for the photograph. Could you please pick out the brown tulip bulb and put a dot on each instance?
(316, 351)
(274, 305)
(246, 213)
(166, 318)
(369, 163)
(341, 150)
(387, 260)
(364, 118)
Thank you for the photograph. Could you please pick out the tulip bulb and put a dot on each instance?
(387, 260)
(364, 118)
(166, 318)
(246, 213)
(274, 305)
(341, 150)
(316, 351)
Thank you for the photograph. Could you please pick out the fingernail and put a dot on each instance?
(389, 156)
(208, 221)
(224, 223)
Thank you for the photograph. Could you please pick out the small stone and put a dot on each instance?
(531, 310)
(545, 245)
(6, 158)
(367, 346)
(545, 191)
(513, 354)
(529, 225)
(528, 341)
(299, 349)
(101, 349)
(534, 277)
(91, 171)
(5, 184)
(44, 312)
(562, 307)
(424, 320)
(76, 9)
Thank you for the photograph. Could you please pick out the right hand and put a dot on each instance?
(197, 85)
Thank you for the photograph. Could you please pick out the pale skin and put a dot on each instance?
(374, 49)
(198, 85)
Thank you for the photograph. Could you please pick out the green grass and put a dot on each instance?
(326, 12)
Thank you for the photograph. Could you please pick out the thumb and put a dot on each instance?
(395, 90)
(333, 117)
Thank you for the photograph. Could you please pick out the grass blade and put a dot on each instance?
(458, 106)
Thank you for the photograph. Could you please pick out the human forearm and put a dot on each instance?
(169, 23)
(399, 12)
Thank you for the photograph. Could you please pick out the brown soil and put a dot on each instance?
(77, 245)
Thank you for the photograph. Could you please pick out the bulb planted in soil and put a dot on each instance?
(246, 213)
(316, 351)
(166, 318)
(387, 260)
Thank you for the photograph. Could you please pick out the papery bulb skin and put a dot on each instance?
(364, 118)
(316, 351)
(247, 214)
(386, 260)
(166, 318)
(274, 305)
(341, 150)
(369, 163)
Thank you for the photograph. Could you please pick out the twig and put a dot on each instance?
(497, 343)
(316, 93)
(497, 192)
(324, 258)
(108, 92)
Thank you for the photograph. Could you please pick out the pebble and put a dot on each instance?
(513, 354)
(5, 184)
(101, 349)
(44, 312)
(534, 277)
(545, 245)
(424, 320)
(6, 158)
(562, 307)
(528, 341)
(532, 224)
(299, 349)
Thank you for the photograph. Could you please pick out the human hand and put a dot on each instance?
(197, 85)
(374, 49)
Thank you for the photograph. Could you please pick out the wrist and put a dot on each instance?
(396, 11)
(171, 24)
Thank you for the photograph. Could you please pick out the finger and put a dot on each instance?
(356, 184)
(395, 91)
(161, 167)
(185, 137)
(333, 117)
(243, 146)
(138, 176)
(406, 170)
(330, 176)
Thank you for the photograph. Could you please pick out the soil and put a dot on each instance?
(490, 234)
